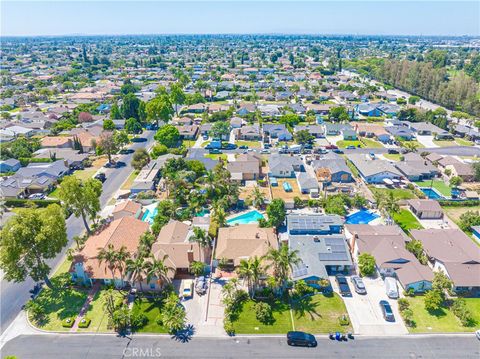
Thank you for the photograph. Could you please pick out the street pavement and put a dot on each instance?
(108, 346)
(14, 295)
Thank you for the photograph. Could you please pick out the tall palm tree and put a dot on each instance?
(109, 256)
(245, 272)
(200, 236)
(122, 256)
(157, 268)
(137, 267)
(282, 260)
(257, 197)
(219, 216)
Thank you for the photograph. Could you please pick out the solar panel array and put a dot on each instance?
(300, 270)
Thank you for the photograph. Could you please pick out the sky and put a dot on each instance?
(35, 18)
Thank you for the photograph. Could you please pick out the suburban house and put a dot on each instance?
(462, 170)
(332, 168)
(127, 209)
(248, 133)
(374, 171)
(277, 131)
(321, 256)
(237, 122)
(371, 130)
(284, 166)
(9, 165)
(246, 167)
(335, 129)
(314, 224)
(466, 131)
(415, 168)
(476, 232)
(401, 132)
(316, 131)
(387, 245)
(188, 132)
(429, 129)
(123, 232)
(56, 142)
(349, 135)
(72, 158)
(454, 253)
(426, 208)
(307, 184)
(244, 241)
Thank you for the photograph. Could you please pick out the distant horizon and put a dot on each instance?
(313, 18)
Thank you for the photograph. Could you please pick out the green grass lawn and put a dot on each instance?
(352, 167)
(129, 181)
(398, 193)
(54, 193)
(443, 320)
(60, 303)
(445, 143)
(204, 144)
(419, 145)
(392, 156)
(440, 186)
(97, 314)
(463, 142)
(455, 212)
(320, 314)
(188, 143)
(85, 174)
(247, 322)
(250, 144)
(369, 143)
(151, 308)
(345, 144)
(406, 220)
(220, 156)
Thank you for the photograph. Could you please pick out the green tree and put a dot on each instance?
(476, 170)
(140, 159)
(177, 95)
(441, 282)
(303, 137)
(30, 238)
(115, 113)
(121, 139)
(168, 135)
(173, 315)
(469, 219)
(366, 264)
(200, 237)
(251, 271)
(159, 109)
(335, 205)
(197, 268)
(132, 125)
(81, 198)
(158, 150)
(130, 106)
(107, 145)
(416, 247)
(257, 197)
(412, 100)
(456, 181)
(433, 300)
(108, 125)
(338, 114)
(276, 212)
(220, 130)
(281, 260)
(158, 269)
(137, 267)
(109, 256)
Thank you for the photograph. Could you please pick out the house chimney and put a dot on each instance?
(190, 255)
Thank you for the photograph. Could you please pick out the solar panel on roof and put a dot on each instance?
(333, 256)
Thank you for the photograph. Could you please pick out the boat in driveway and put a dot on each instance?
(301, 339)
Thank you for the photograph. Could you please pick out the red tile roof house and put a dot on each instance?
(87, 269)
(387, 245)
(454, 253)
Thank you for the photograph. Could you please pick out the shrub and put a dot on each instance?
(433, 300)
(84, 323)
(459, 308)
(301, 288)
(344, 320)
(407, 315)
(68, 322)
(366, 264)
(28, 202)
(263, 312)
(228, 327)
(403, 304)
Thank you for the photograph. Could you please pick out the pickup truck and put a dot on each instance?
(343, 286)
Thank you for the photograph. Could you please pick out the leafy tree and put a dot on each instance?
(441, 282)
(121, 139)
(173, 315)
(366, 264)
(129, 88)
(433, 300)
(130, 106)
(335, 205)
(115, 113)
(168, 135)
(132, 125)
(276, 212)
(303, 137)
(177, 95)
(140, 158)
(108, 125)
(257, 197)
(197, 268)
(476, 171)
(220, 130)
(81, 198)
(469, 219)
(338, 114)
(456, 181)
(263, 312)
(282, 260)
(29, 239)
(412, 100)
(409, 146)
(158, 269)
(358, 201)
(251, 271)
(290, 119)
(416, 247)
(158, 150)
(107, 144)
(200, 236)
(137, 267)
(160, 109)
(35, 311)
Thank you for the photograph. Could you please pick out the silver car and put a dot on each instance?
(358, 284)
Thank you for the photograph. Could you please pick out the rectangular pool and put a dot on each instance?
(431, 193)
(248, 217)
(149, 215)
(361, 217)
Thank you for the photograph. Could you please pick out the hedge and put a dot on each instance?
(84, 323)
(68, 322)
(26, 160)
(27, 202)
(467, 203)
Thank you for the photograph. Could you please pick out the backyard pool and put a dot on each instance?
(149, 215)
(361, 217)
(431, 193)
(249, 217)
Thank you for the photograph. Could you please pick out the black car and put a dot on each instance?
(387, 311)
(101, 177)
(391, 151)
(301, 339)
(120, 164)
(343, 286)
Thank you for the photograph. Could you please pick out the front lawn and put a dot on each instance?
(60, 303)
(463, 142)
(392, 156)
(97, 314)
(346, 143)
(369, 143)
(442, 321)
(445, 143)
(85, 174)
(250, 144)
(220, 156)
(247, 322)
(406, 220)
(398, 193)
(151, 308)
(188, 143)
(129, 181)
(442, 187)
(320, 314)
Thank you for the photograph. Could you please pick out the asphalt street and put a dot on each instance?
(108, 346)
(14, 295)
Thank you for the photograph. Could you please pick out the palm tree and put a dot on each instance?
(109, 256)
(137, 267)
(251, 271)
(282, 260)
(156, 268)
(200, 236)
(197, 268)
(122, 256)
(219, 216)
(257, 197)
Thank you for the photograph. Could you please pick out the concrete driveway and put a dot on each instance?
(365, 313)
(427, 141)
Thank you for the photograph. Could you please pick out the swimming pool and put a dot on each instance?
(249, 217)
(431, 193)
(149, 215)
(361, 217)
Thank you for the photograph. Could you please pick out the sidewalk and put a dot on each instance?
(19, 326)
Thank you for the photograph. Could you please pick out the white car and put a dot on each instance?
(187, 288)
(477, 334)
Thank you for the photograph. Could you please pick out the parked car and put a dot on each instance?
(350, 147)
(265, 151)
(243, 147)
(343, 285)
(358, 284)
(392, 151)
(37, 196)
(301, 339)
(215, 151)
(331, 147)
(230, 146)
(200, 285)
(187, 288)
(387, 311)
(101, 177)
(340, 152)
(391, 287)
(205, 137)
(477, 334)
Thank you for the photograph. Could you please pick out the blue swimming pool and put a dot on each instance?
(148, 216)
(361, 217)
(431, 193)
(249, 217)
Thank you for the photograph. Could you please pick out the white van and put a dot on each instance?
(391, 287)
